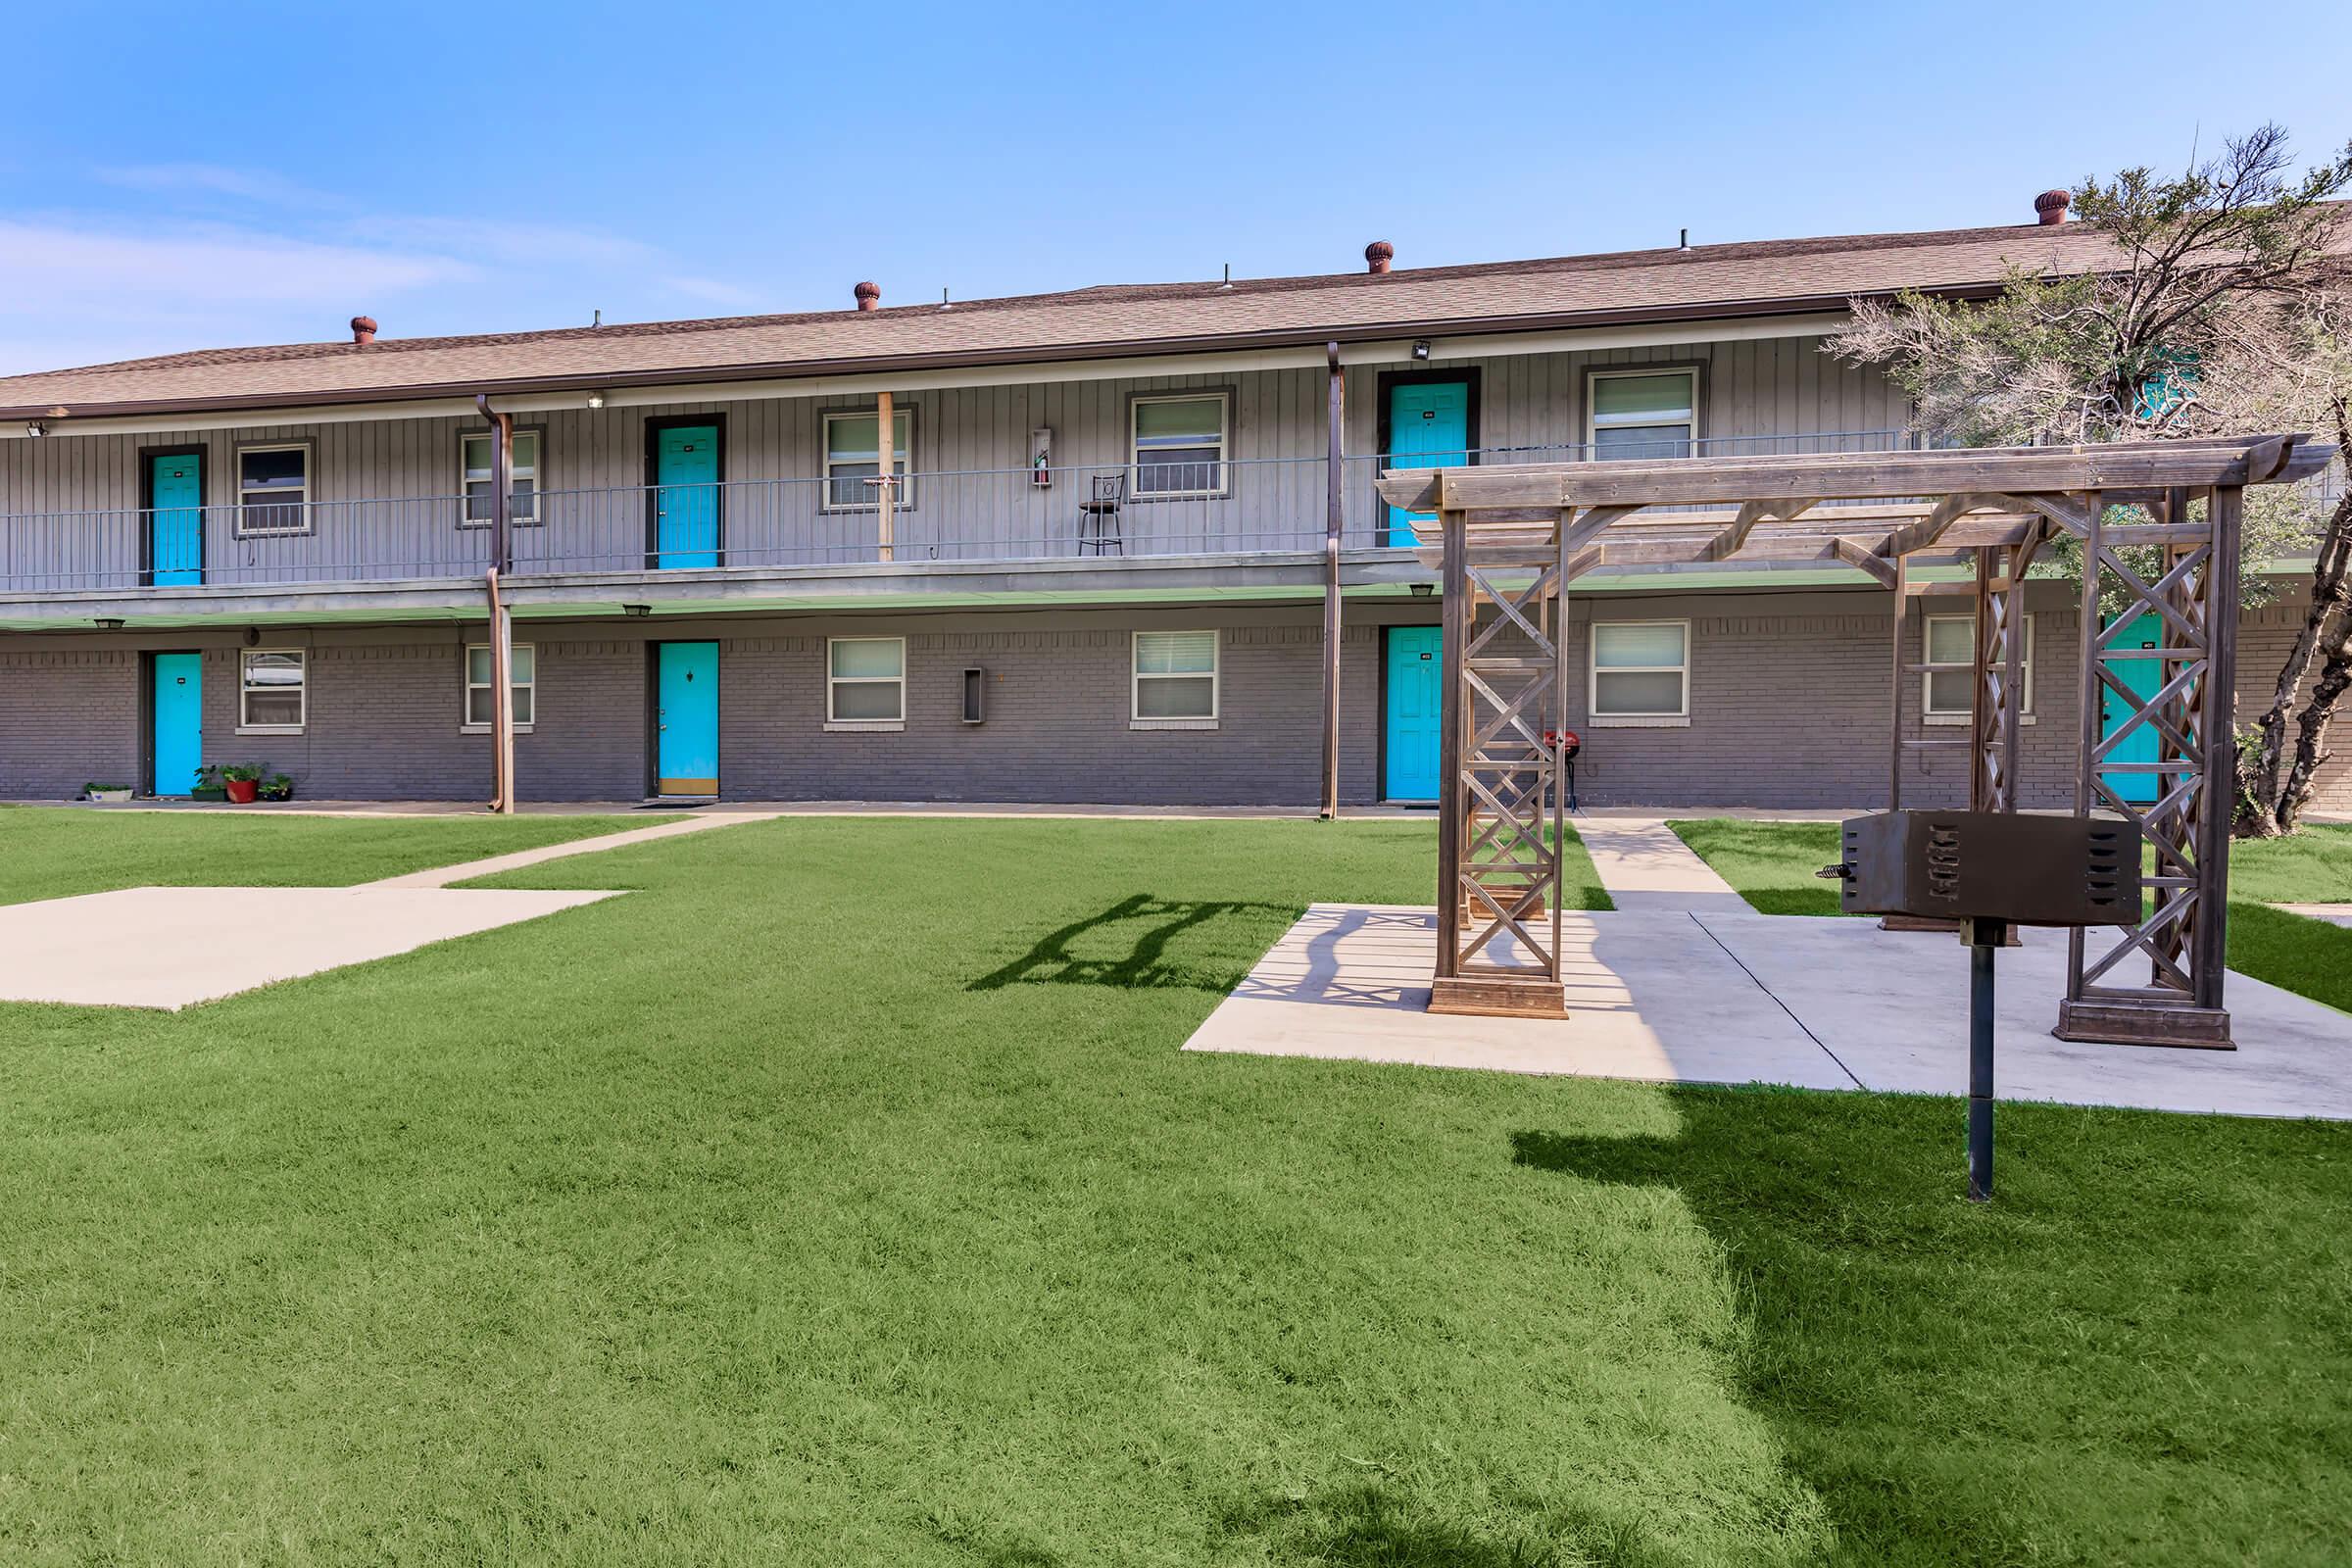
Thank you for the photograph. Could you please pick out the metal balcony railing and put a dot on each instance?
(1230, 507)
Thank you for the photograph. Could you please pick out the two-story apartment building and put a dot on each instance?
(1097, 575)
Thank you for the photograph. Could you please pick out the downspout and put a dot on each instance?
(1335, 516)
(502, 625)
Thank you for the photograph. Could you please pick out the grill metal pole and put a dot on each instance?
(1984, 938)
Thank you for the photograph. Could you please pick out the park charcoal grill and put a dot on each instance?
(1987, 871)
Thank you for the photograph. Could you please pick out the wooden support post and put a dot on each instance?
(1333, 520)
(886, 447)
(2225, 507)
(502, 625)
(1454, 798)
(1894, 695)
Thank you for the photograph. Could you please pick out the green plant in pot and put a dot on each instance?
(242, 781)
(208, 784)
(276, 787)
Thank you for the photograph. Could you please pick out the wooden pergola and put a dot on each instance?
(1509, 541)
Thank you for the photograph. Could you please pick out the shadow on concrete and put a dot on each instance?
(1127, 946)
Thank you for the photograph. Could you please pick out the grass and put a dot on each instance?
(1772, 865)
(841, 1195)
(53, 852)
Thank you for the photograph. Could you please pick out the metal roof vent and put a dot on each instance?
(2050, 205)
(362, 329)
(868, 295)
(1378, 255)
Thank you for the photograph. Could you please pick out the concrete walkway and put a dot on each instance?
(442, 876)
(2332, 913)
(1818, 1002)
(1645, 867)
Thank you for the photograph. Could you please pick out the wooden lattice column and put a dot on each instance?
(2183, 934)
(1499, 808)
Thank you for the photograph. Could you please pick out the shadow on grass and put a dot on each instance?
(1369, 1527)
(1126, 946)
(2037, 1380)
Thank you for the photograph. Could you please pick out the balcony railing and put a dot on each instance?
(1233, 507)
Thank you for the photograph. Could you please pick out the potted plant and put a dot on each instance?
(242, 781)
(208, 784)
(276, 787)
(106, 792)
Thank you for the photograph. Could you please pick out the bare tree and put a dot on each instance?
(2223, 310)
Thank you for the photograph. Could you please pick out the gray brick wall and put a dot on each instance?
(1787, 696)
(68, 718)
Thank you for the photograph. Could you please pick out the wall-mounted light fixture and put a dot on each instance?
(1421, 349)
(1422, 590)
(108, 623)
(36, 427)
(637, 610)
(596, 400)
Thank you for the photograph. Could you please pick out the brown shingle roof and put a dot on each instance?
(1755, 278)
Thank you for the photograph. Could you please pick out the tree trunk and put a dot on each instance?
(2272, 790)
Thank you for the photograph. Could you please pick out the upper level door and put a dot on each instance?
(2145, 677)
(176, 518)
(1429, 428)
(686, 495)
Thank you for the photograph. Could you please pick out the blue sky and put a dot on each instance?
(175, 177)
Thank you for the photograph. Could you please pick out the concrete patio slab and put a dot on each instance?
(1701, 997)
(1653, 996)
(170, 946)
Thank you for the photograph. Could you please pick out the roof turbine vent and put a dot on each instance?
(1378, 255)
(868, 295)
(362, 329)
(2050, 206)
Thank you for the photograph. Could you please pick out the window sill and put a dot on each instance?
(1640, 721)
(268, 729)
(490, 729)
(1960, 720)
(1171, 723)
(865, 726)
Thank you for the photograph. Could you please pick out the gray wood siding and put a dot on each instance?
(385, 490)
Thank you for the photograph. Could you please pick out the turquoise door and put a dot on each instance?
(686, 496)
(2145, 677)
(179, 740)
(1429, 428)
(1412, 740)
(686, 718)
(175, 519)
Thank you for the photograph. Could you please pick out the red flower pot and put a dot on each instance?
(240, 790)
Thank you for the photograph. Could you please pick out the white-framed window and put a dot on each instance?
(866, 682)
(273, 489)
(1175, 679)
(1179, 443)
(1641, 413)
(269, 691)
(854, 457)
(1641, 672)
(1951, 664)
(476, 450)
(482, 685)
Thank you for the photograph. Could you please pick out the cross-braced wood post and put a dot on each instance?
(1500, 810)
(2186, 704)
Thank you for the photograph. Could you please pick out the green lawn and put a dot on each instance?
(51, 852)
(841, 1196)
(1772, 864)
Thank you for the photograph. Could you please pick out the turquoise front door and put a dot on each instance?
(1429, 428)
(176, 518)
(2145, 677)
(1411, 741)
(178, 735)
(686, 718)
(686, 495)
